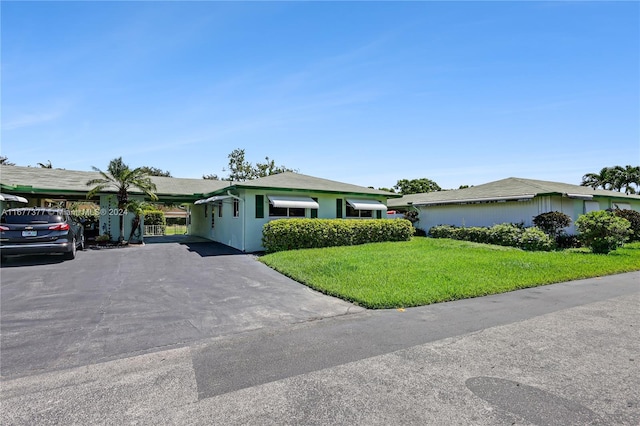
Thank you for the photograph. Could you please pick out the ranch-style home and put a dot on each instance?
(511, 200)
(232, 213)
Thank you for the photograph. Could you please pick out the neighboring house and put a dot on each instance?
(512, 200)
(232, 213)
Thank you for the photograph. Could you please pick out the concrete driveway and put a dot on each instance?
(112, 303)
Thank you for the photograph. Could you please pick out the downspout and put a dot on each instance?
(243, 218)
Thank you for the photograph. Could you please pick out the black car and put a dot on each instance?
(40, 231)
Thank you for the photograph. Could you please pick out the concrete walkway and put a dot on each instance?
(555, 355)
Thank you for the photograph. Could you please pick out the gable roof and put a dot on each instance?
(304, 183)
(505, 189)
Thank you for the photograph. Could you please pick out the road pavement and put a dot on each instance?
(555, 355)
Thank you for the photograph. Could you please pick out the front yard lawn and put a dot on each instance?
(426, 270)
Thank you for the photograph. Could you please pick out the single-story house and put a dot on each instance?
(232, 213)
(511, 200)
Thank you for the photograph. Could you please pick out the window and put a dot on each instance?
(236, 207)
(285, 211)
(590, 206)
(259, 206)
(622, 206)
(352, 212)
(288, 206)
(365, 208)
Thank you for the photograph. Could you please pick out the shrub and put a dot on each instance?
(565, 241)
(443, 231)
(552, 223)
(154, 217)
(292, 234)
(505, 234)
(603, 231)
(535, 239)
(634, 219)
(476, 234)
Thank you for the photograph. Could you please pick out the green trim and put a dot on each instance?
(321, 191)
(259, 206)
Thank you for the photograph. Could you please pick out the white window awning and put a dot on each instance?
(293, 202)
(10, 197)
(367, 205)
(580, 196)
(213, 199)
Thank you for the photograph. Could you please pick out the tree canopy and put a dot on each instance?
(241, 170)
(5, 161)
(154, 171)
(416, 186)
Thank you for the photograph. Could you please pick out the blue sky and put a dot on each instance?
(367, 93)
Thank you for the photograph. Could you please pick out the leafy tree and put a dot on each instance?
(603, 231)
(121, 178)
(552, 223)
(154, 171)
(241, 170)
(269, 168)
(387, 189)
(416, 186)
(5, 161)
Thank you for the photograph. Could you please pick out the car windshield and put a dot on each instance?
(31, 216)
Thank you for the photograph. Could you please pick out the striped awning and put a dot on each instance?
(10, 197)
(293, 202)
(213, 199)
(367, 205)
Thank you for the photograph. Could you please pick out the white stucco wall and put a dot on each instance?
(489, 214)
(244, 232)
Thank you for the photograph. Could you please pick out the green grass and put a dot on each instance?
(426, 270)
(176, 229)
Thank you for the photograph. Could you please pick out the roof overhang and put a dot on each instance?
(366, 204)
(522, 197)
(10, 197)
(580, 196)
(293, 202)
(213, 199)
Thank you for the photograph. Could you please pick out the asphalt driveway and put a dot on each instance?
(112, 303)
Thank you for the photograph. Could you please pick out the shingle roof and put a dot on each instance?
(33, 179)
(291, 180)
(506, 188)
(59, 181)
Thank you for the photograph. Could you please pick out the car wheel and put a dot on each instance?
(71, 254)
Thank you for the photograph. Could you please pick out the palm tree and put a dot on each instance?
(629, 176)
(614, 178)
(48, 165)
(598, 180)
(121, 178)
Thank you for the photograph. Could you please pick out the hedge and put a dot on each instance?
(504, 234)
(293, 234)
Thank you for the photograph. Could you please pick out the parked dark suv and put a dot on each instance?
(40, 231)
